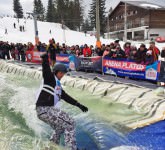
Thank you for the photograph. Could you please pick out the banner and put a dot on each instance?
(131, 69)
(69, 60)
(162, 72)
(90, 63)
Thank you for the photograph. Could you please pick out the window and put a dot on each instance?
(116, 26)
(129, 25)
(135, 12)
(154, 35)
(142, 21)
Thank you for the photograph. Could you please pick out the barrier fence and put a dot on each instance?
(117, 67)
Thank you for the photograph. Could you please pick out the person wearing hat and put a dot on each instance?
(116, 43)
(149, 59)
(141, 54)
(48, 107)
(119, 53)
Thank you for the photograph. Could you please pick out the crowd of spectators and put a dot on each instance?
(142, 54)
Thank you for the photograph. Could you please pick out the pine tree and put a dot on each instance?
(92, 15)
(17, 8)
(78, 14)
(86, 26)
(50, 11)
(70, 12)
(39, 9)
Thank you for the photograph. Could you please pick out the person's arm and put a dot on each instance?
(72, 101)
(46, 71)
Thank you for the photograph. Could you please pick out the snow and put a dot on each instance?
(14, 35)
(72, 37)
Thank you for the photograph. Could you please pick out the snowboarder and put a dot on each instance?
(48, 107)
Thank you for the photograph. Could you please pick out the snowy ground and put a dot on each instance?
(14, 35)
(71, 37)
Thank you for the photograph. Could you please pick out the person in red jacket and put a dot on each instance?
(155, 51)
(87, 52)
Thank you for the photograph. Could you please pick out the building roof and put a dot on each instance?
(146, 4)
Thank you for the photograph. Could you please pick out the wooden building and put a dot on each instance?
(144, 20)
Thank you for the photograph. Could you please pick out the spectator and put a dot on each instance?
(87, 51)
(155, 51)
(52, 51)
(132, 54)
(30, 46)
(43, 47)
(119, 53)
(107, 51)
(16, 53)
(77, 50)
(127, 49)
(58, 48)
(163, 53)
(149, 59)
(141, 54)
(23, 52)
(39, 46)
(116, 43)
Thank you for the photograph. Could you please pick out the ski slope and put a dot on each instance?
(14, 35)
(71, 37)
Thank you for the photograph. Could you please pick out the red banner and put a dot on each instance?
(132, 66)
(33, 56)
(62, 59)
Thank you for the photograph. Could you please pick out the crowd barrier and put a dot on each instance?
(117, 67)
(70, 61)
(131, 69)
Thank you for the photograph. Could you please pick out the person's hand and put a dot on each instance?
(44, 55)
(83, 108)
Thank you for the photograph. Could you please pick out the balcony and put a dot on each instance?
(119, 27)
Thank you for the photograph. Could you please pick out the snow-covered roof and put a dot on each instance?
(148, 4)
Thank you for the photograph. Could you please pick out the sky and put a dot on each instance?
(6, 6)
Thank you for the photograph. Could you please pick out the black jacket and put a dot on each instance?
(46, 99)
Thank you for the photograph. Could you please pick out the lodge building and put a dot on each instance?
(144, 20)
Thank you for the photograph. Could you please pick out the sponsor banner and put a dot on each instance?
(90, 63)
(162, 72)
(69, 60)
(131, 69)
(34, 56)
(64, 59)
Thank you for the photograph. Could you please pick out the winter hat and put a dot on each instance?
(149, 52)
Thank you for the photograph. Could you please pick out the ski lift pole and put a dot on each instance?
(64, 36)
(36, 30)
(35, 27)
(98, 42)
